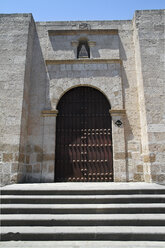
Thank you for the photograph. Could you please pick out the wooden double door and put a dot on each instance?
(83, 137)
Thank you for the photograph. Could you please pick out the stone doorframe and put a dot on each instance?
(118, 142)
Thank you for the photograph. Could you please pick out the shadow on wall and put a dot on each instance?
(125, 85)
(39, 99)
(63, 43)
(84, 70)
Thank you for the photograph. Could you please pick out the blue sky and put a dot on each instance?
(65, 10)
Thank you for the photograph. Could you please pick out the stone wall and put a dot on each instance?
(116, 80)
(149, 38)
(35, 169)
(39, 64)
(15, 57)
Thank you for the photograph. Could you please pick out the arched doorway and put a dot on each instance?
(83, 137)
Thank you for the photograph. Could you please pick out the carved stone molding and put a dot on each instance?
(83, 31)
(74, 43)
(90, 43)
(48, 113)
(117, 112)
(82, 61)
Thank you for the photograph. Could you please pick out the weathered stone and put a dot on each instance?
(36, 168)
(48, 157)
(147, 178)
(38, 149)
(22, 150)
(1, 157)
(149, 158)
(9, 148)
(14, 178)
(29, 168)
(6, 179)
(126, 64)
(16, 157)
(139, 168)
(19, 177)
(161, 178)
(14, 167)
(27, 159)
(6, 168)
(120, 155)
(29, 148)
(154, 178)
(51, 168)
(21, 158)
(44, 168)
(39, 157)
(129, 155)
(163, 169)
(137, 178)
(7, 157)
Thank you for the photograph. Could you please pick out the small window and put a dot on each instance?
(83, 50)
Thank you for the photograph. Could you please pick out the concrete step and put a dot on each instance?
(82, 192)
(83, 220)
(84, 233)
(82, 208)
(82, 244)
(71, 199)
(83, 189)
(83, 211)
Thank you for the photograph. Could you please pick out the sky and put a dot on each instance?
(74, 10)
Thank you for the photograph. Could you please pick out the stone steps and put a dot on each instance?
(89, 212)
(82, 208)
(84, 233)
(83, 220)
(82, 244)
(88, 199)
(82, 191)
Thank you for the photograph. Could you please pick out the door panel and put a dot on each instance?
(84, 137)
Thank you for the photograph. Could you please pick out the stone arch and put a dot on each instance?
(82, 85)
(113, 93)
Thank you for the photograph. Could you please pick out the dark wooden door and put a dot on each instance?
(83, 138)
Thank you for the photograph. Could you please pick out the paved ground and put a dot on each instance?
(81, 244)
(82, 186)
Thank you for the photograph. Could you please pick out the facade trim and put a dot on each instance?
(49, 113)
(83, 61)
(73, 32)
(117, 112)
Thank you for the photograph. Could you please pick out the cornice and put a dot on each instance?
(83, 61)
(85, 31)
(117, 112)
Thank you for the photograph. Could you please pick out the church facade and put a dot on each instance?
(82, 101)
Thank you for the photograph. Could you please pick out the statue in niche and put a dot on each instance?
(83, 50)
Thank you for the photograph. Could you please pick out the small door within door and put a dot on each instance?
(83, 137)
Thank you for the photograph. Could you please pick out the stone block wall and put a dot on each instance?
(15, 41)
(117, 81)
(34, 166)
(149, 38)
(39, 64)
